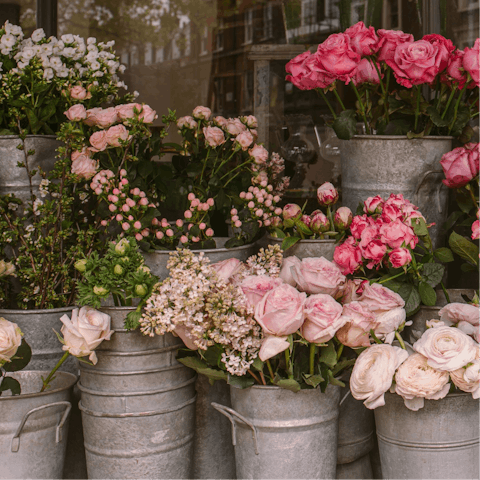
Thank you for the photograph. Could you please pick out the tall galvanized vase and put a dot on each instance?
(138, 406)
(384, 164)
(440, 440)
(281, 434)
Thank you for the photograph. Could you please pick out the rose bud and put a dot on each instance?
(291, 212)
(343, 218)
(319, 223)
(373, 204)
(80, 265)
(327, 194)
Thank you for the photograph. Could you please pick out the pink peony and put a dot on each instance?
(327, 194)
(286, 273)
(319, 223)
(476, 230)
(343, 218)
(256, 286)
(214, 136)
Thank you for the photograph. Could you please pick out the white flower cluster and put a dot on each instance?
(266, 262)
(194, 300)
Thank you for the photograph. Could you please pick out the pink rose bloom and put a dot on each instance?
(106, 117)
(343, 218)
(201, 113)
(256, 286)
(147, 114)
(79, 93)
(476, 230)
(415, 63)
(323, 317)
(279, 313)
(366, 73)
(397, 234)
(214, 136)
(389, 40)
(76, 113)
(337, 56)
(363, 40)
(455, 72)
(380, 299)
(317, 76)
(235, 126)
(98, 141)
(82, 165)
(358, 225)
(373, 204)
(259, 154)
(227, 269)
(445, 47)
(116, 133)
(187, 122)
(244, 139)
(127, 110)
(359, 321)
(347, 256)
(250, 121)
(470, 61)
(288, 264)
(296, 66)
(369, 233)
(220, 121)
(464, 316)
(390, 212)
(91, 118)
(399, 257)
(318, 275)
(374, 251)
(351, 290)
(460, 166)
(327, 194)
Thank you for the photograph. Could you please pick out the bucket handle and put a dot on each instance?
(230, 413)
(425, 175)
(58, 436)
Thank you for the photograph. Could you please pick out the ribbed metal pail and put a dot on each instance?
(37, 327)
(359, 468)
(157, 260)
(281, 434)
(308, 248)
(138, 406)
(34, 426)
(384, 164)
(14, 179)
(441, 440)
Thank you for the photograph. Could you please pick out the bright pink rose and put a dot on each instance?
(201, 113)
(415, 63)
(187, 122)
(359, 321)
(91, 118)
(83, 165)
(106, 117)
(256, 286)
(115, 134)
(399, 257)
(259, 153)
(244, 139)
(127, 110)
(327, 194)
(279, 313)
(147, 115)
(296, 66)
(323, 317)
(337, 56)
(373, 204)
(398, 200)
(343, 218)
(459, 166)
(390, 213)
(214, 136)
(288, 264)
(470, 61)
(389, 40)
(227, 269)
(318, 275)
(348, 257)
(445, 47)
(316, 76)
(396, 234)
(79, 93)
(476, 230)
(370, 233)
(364, 40)
(76, 113)
(374, 251)
(366, 73)
(455, 72)
(98, 141)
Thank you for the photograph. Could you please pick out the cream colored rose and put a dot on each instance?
(85, 331)
(10, 340)
(447, 348)
(416, 380)
(373, 373)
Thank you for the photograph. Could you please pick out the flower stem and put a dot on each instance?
(313, 349)
(417, 110)
(270, 369)
(263, 378)
(362, 108)
(287, 361)
(390, 278)
(254, 376)
(449, 101)
(328, 103)
(330, 218)
(447, 296)
(339, 99)
(52, 373)
(340, 351)
(400, 339)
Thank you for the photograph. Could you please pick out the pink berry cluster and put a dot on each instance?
(261, 203)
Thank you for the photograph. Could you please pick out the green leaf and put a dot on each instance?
(464, 201)
(289, 384)
(11, 384)
(427, 294)
(452, 219)
(20, 359)
(444, 254)
(436, 117)
(345, 125)
(234, 242)
(432, 273)
(411, 296)
(132, 321)
(279, 233)
(466, 267)
(240, 382)
(303, 228)
(258, 365)
(333, 380)
(313, 380)
(328, 355)
(464, 248)
(420, 227)
(289, 242)
(202, 368)
(213, 355)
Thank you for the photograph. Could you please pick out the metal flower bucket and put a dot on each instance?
(441, 440)
(34, 426)
(281, 434)
(308, 248)
(138, 406)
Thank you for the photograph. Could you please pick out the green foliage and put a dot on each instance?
(466, 249)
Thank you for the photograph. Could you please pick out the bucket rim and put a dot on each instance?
(305, 240)
(275, 387)
(400, 137)
(26, 311)
(209, 250)
(10, 137)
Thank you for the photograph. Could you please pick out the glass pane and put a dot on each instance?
(19, 12)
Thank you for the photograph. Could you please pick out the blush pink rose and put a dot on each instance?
(327, 194)
(389, 40)
(244, 139)
(227, 269)
(256, 286)
(259, 154)
(323, 317)
(187, 122)
(106, 117)
(91, 118)
(235, 126)
(79, 93)
(351, 290)
(374, 251)
(347, 256)
(445, 47)
(415, 63)
(147, 114)
(250, 121)
(214, 136)
(115, 134)
(397, 234)
(390, 212)
(363, 40)
(380, 299)
(366, 73)
(464, 316)
(201, 113)
(470, 61)
(358, 225)
(76, 113)
(373, 204)
(318, 275)
(399, 257)
(359, 321)
(83, 165)
(98, 141)
(297, 69)
(337, 56)
(127, 110)
(220, 121)
(460, 166)
(476, 230)
(288, 264)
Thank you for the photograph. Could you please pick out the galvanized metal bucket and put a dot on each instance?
(34, 426)
(14, 179)
(384, 164)
(440, 440)
(157, 260)
(281, 434)
(359, 468)
(138, 406)
(308, 248)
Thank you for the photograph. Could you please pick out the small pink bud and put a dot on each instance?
(125, 226)
(155, 222)
(234, 218)
(210, 202)
(136, 191)
(291, 211)
(184, 239)
(191, 196)
(209, 232)
(124, 181)
(125, 208)
(112, 207)
(276, 198)
(137, 225)
(343, 218)
(179, 223)
(130, 218)
(116, 191)
(195, 202)
(233, 211)
(119, 217)
(139, 236)
(238, 223)
(159, 235)
(249, 196)
(123, 172)
(143, 194)
(327, 194)
(268, 203)
(104, 223)
(259, 212)
(205, 207)
(202, 226)
(169, 233)
(130, 202)
(267, 223)
(242, 194)
(145, 232)
(165, 223)
(195, 239)
(187, 214)
(278, 211)
(143, 202)
(98, 191)
(250, 189)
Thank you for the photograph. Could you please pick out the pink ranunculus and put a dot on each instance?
(363, 40)
(279, 313)
(445, 47)
(374, 251)
(396, 234)
(323, 317)
(244, 139)
(399, 257)
(187, 122)
(460, 166)
(415, 63)
(201, 113)
(318, 275)
(127, 110)
(256, 286)
(76, 113)
(470, 61)
(147, 114)
(347, 256)
(379, 299)
(468, 379)
(356, 331)
(79, 93)
(259, 153)
(91, 118)
(327, 194)
(115, 134)
(366, 72)
(98, 141)
(476, 230)
(337, 56)
(358, 225)
(388, 42)
(84, 166)
(227, 269)
(373, 204)
(343, 218)
(214, 136)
